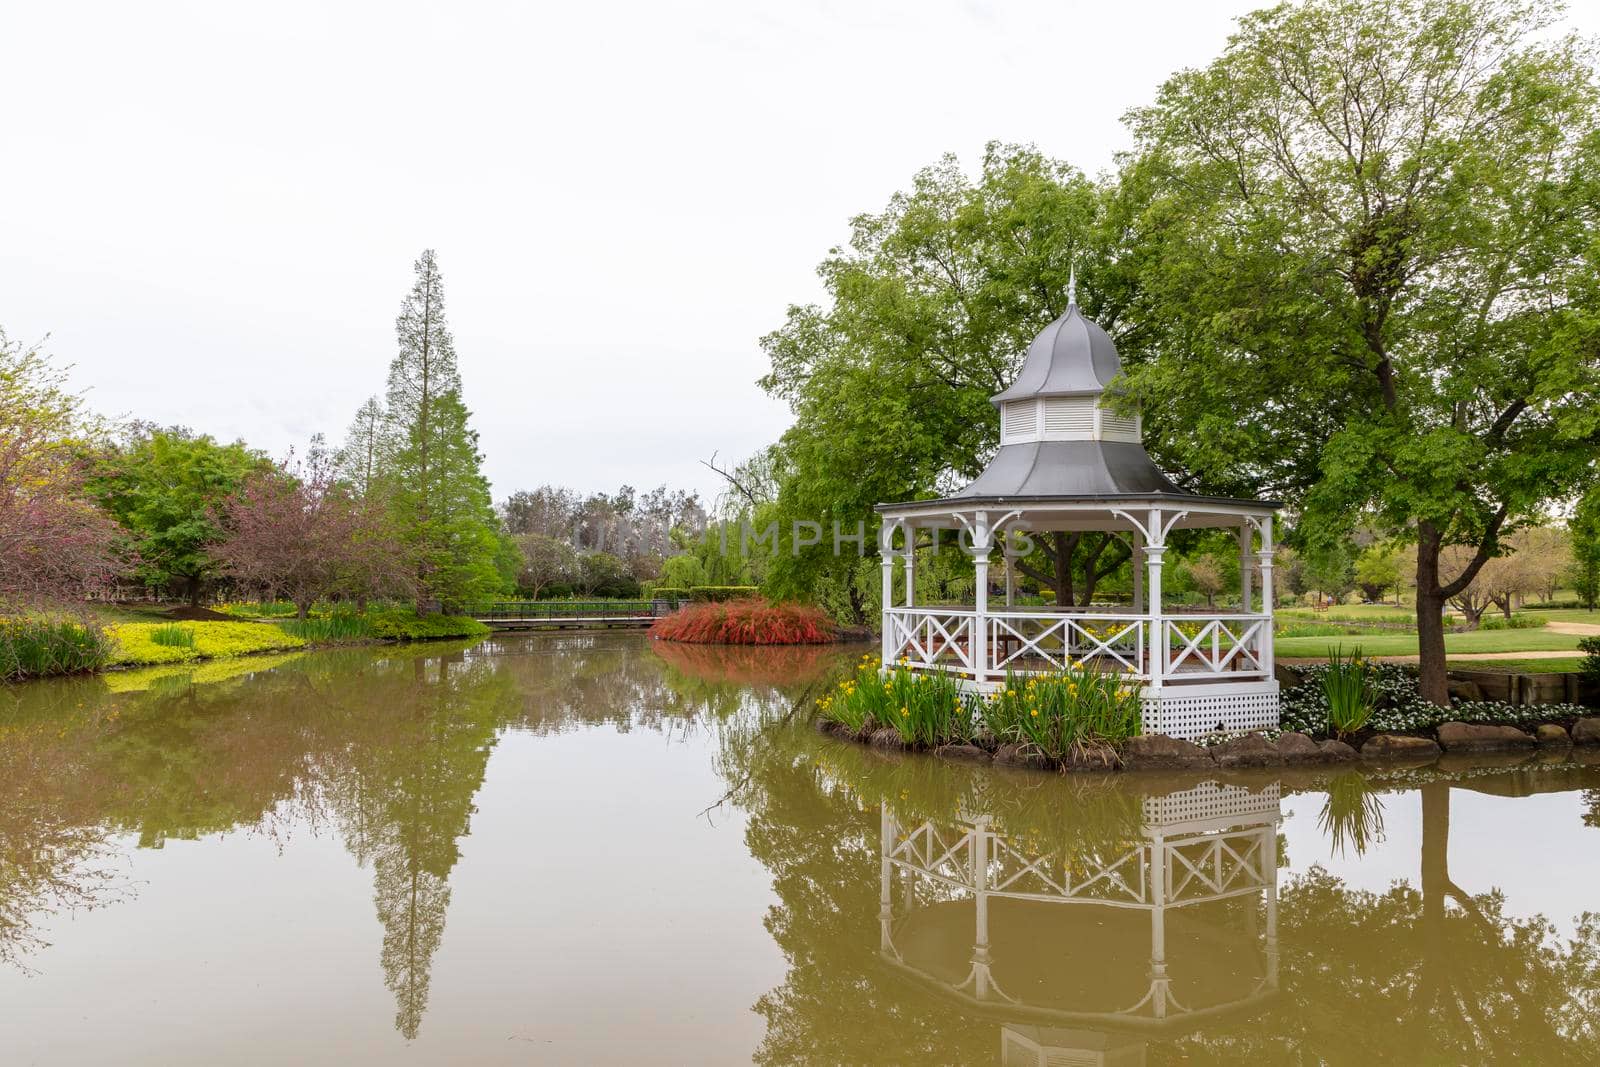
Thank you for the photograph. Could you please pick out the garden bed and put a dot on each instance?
(1082, 719)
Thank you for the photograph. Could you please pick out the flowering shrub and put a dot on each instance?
(746, 622)
(1398, 707)
(1070, 710)
(1053, 715)
(925, 709)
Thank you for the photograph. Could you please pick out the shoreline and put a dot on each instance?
(1566, 737)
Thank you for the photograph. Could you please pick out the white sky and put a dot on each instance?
(213, 209)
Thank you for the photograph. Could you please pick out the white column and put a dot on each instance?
(1244, 567)
(1011, 571)
(980, 886)
(888, 830)
(1138, 573)
(886, 554)
(1158, 630)
(982, 540)
(1159, 981)
(911, 567)
(1265, 556)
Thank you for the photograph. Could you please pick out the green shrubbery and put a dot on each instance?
(339, 626)
(1398, 707)
(715, 594)
(1590, 670)
(1517, 621)
(403, 624)
(38, 647)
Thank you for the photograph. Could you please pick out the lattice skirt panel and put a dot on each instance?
(1190, 712)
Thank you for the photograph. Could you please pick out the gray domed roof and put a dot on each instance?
(1070, 469)
(1070, 357)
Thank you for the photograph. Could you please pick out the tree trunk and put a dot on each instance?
(193, 582)
(1065, 547)
(301, 610)
(1433, 685)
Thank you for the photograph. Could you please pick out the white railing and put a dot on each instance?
(1187, 647)
(931, 638)
(1216, 646)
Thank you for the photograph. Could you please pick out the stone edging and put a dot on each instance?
(1158, 752)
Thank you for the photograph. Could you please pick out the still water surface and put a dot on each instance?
(585, 848)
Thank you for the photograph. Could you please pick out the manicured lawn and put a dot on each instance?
(1364, 612)
(1482, 641)
(1521, 666)
(1570, 615)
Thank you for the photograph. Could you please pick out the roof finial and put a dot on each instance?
(1072, 286)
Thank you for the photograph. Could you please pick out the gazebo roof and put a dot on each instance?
(1070, 357)
(1071, 456)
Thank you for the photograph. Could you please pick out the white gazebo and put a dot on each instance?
(1068, 462)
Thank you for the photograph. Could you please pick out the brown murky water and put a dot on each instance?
(582, 849)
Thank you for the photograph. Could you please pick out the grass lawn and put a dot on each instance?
(1521, 666)
(1480, 641)
(1570, 615)
(1362, 612)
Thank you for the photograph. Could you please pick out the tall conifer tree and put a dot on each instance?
(430, 464)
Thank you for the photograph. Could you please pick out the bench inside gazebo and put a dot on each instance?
(1069, 462)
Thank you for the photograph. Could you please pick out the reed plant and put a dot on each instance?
(39, 647)
(923, 708)
(172, 636)
(1067, 712)
(1347, 685)
(340, 626)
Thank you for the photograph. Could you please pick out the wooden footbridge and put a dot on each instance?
(571, 614)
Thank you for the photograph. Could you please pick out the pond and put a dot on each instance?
(585, 848)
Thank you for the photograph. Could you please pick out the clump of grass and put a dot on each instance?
(40, 647)
(173, 636)
(924, 709)
(746, 622)
(1070, 711)
(1347, 685)
(342, 626)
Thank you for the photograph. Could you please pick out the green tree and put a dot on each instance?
(361, 458)
(930, 309)
(431, 467)
(1369, 251)
(682, 572)
(1377, 570)
(1584, 529)
(166, 488)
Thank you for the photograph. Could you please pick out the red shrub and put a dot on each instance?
(746, 622)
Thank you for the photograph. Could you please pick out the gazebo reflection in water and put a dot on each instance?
(1084, 951)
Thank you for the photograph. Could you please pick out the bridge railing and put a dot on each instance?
(532, 610)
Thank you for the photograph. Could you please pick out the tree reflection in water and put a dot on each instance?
(877, 863)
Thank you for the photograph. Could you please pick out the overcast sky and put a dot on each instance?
(213, 208)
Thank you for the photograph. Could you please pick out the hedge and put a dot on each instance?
(713, 594)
